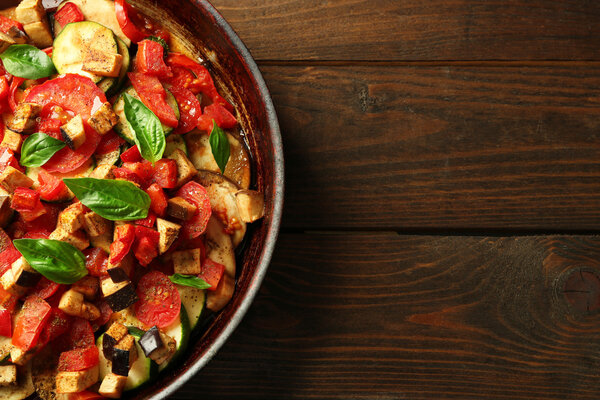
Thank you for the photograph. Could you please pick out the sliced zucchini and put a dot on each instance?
(180, 331)
(82, 172)
(107, 84)
(75, 41)
(110, 86)
(193, 300)
(175, 142)
(100, 11)
(123, 128)
(109, 158)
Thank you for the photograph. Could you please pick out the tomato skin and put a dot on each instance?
(132, 154)
(30, 322)
(25, 199)
(158, 199)
(51, 188)
(58, 324)
(154, 96)
(150, 59)
(165, 173)
(8, 252)
(189, 109)
(125, 235)
(66, 160)
(7, 23)
(96, 261)
(45, 288)
(68, 13)
(5, 322)
(79, 359)
(110, 142)
(122, 10)
(196, 194)
(159, 302)
(212, 272)
(79, 335)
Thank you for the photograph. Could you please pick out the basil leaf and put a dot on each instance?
(137, 332)
(220, 146)
(149, 134)
(111, 199)
(27, 61)
(58, 261)
(39, 148)
(189, 280)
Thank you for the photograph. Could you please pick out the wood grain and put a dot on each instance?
(383, 316)
(416, 30)
(440, 147)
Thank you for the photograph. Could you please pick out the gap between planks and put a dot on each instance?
(423, 63)
(487, 232)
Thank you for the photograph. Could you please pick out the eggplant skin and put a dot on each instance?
(122, 298)
(28, 278)
(108, 344)
(151, 341)
(117, 274)
(120, 362)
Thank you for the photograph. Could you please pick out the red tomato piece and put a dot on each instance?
(7, 300)
(150, 59)
(51, 188)
(66, 160)
(132, 154)
(80, 335)
(196, 194)
(5, 322)
(78, 359)
(110, 142)
(68, 13)
(165, 173)
(183, 78)
(221, 115)
(25, 199)
(71, 92)
(128, 175)
(96, 261)
(37, 212)
(189, 109)
(58, 324)
(7, 23)
(145, 251)
(142, 169)
(123, 10)
(45, 288)
(154, 96)
(158, 199)
(125, 235)
(37, 235)
(4, 92)
(8, 252)
(12, 92)
(212, 272)
(148, 221)
(7, 157)
(45, 223)
(30, 322)
(159, 302)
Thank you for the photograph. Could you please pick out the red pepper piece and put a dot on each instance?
(132, 154)
(150, 59)
(125, 235)
(68, 13)
(158, 199)
(154, 96)
(5, 323)
(30, 322)
(212, 272)
(96, 261)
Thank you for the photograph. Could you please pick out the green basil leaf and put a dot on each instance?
(39, 148)
(27, 61)
(149, 134)
(58, 261)
(189, 280)
(220, 146)
(111, 199)
(137, 332)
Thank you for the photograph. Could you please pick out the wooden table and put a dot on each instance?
(442, 203)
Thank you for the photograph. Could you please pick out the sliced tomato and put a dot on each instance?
(159, 302)
(7, 23)
(150, 59)
(71, 92)
(30, 322)
(96, 261)
(196, 194)
(123, 10)
(221, 115)
(165, 173)
(124, 237)
(182, 78)
(8, 252)
(189, 110)
(80, 335)
(79, 359)
(52, 188)
(66, 160)
(58, 324)
(25, 199)
(158, 199)
(68, 13)
(212, 272)
(45, 288)
(149, 221)
(132, 154)
(154, 96)
(110, 142)
(5, 322)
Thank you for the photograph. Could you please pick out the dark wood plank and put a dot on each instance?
(378, 316)
(440, 147)
(416, 30)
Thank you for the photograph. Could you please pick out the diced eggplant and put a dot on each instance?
(157, 345)
(121, 271)
(151, 341)
(118, 295)
(108, 345)
(124, 355)
(112, 336)
(28, 279)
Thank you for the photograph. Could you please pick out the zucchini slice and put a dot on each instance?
(75, 41)
(109, 158)
(110, 86)
(123, 128)
(180, 331)
(193, 300)
(100, 11)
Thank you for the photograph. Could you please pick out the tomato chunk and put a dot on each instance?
(5, 322)
(154, 96)
(79, 335)
(79, 359)
(68, 13)
(189, 109)
(45, 288)
(30, 322)
(25, 199)
(158, 199)
(196, 194)
(212, 272)
(125, 235)
(145, 247)
(159, 302)
(221, 115)
(7, 157)
(132, 154)
(148, 222)
(96, 261)
(52, 188)
(8, 252)
(66, 159)
(110, 142)
(165, 173)
(150, 59)
(58, 324)
(142, 169)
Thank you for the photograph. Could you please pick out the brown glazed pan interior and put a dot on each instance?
(238, 77)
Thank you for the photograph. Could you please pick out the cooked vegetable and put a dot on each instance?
(118, 295)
